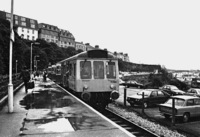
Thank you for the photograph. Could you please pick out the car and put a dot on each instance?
(172, 90)
(151, 97)
(185, 107)
(193, 92)
(133, 83)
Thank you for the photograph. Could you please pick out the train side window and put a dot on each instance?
(75, 69)
(85, 69)
(58, 70)
(98, 69)
(111, 70)
(70, 69)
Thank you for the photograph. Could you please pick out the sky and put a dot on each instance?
(157, 32)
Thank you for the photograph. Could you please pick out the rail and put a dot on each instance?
(128, 125)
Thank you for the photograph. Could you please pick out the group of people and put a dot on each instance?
(26, 77)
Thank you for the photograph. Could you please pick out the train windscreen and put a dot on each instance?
(98, 69)
(85, 67)
(111, 70)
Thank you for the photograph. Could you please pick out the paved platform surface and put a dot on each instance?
(48, 111)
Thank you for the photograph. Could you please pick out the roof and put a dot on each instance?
(86, 54)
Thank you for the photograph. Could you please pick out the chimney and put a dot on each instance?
(96, 46)
(87, 44)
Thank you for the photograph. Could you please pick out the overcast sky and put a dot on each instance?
(164, 32)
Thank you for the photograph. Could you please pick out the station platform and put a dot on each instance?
(49, 110)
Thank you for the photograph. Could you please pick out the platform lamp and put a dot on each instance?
(36, 43)
(10, 85)
(37, 64)
(35, 61)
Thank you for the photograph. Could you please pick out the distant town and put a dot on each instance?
(30, 29)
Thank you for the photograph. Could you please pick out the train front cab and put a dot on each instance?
(94, 80)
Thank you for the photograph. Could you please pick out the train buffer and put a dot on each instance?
(48, 110)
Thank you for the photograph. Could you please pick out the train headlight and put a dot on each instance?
(112, 86)
(85, 87)
(114, 94)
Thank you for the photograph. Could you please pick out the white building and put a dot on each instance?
(26, 28)
(81, 46)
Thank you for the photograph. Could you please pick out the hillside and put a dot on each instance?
(133, 67)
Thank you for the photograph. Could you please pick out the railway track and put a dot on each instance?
(128, 125)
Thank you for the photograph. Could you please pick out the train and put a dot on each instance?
(91, 75)
(54, 73)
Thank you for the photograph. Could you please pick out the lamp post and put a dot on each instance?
(10, 85)
(36, 43)
(16, 67)
(35, 62)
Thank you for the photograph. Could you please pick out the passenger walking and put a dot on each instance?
(25, 75)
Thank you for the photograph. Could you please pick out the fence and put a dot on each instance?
(5, 78)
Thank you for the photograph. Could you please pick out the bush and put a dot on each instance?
(179, 84)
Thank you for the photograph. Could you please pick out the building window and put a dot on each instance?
(27, 30)
(33, 38)
(8, 19)
(32, 31)
(16, 17)
(32, 25)
(23, 19)
(16, 22)
(8, 15)
(32, 21)
(27, 36)
(22, 36)
(23, 23)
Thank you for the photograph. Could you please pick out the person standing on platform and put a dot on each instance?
(45, 76)
(25, 75)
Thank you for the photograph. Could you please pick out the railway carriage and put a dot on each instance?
(49, 69)
(54, 73)
(93, 76)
